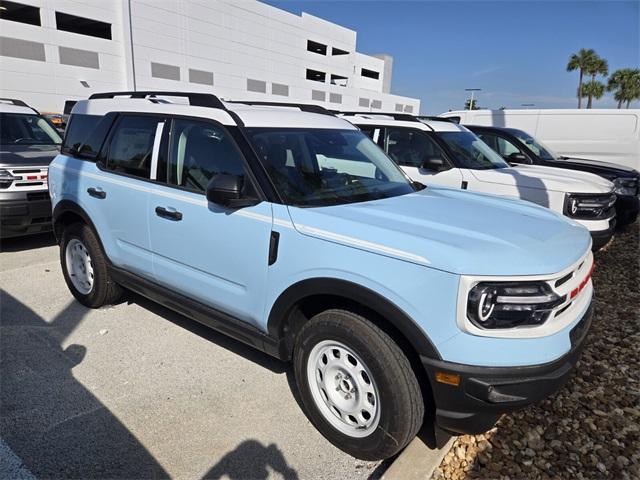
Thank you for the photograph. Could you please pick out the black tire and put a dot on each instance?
(401, 403)
(104, 290)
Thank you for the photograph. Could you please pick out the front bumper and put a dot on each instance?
(485, 393)
(24, 213)
(627, 209)
(601, 237)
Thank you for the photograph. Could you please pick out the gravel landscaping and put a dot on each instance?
(591, 428)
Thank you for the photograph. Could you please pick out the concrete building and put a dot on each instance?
(57, 50)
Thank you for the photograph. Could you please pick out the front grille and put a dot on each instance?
(590, 206)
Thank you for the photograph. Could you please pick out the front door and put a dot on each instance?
(212, 254)
(421, 157)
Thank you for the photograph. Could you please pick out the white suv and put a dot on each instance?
(437, 151)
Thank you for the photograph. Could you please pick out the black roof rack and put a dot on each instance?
(407, 117)
(196, 99)
(304, 107)
(435, 119)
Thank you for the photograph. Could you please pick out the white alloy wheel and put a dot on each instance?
(343, 389)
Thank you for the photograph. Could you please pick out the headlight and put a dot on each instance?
(589, 206)
(626, 186)
(493, 305)
(6, 178)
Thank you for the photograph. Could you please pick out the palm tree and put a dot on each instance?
(625, 83)
(581, 61)
(598, 66)
(593, 89)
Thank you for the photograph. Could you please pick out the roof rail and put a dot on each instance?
(196, 99)
(407, 117)
(435, 119)
(18, 103)
(304, 107)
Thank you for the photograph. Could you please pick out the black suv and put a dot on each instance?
(28, 144)
(518, 147)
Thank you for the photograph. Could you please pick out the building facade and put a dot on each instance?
(57, 50)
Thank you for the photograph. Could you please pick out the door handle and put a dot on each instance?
(168, 214)
(97, 192)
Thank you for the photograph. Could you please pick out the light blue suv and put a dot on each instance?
(290, 230)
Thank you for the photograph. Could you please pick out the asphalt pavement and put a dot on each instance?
(137, 391)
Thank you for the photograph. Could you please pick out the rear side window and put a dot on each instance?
(131, 146)
(79, 128)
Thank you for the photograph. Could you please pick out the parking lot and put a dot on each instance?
(136, 391)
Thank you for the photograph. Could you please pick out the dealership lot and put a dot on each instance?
(138, 391)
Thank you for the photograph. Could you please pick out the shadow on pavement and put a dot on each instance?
(49, 419)
(250, 460)
(256, 356)
(27, 242)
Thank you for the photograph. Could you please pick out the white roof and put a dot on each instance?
(251, 116)
(8, 107)
(387, 120)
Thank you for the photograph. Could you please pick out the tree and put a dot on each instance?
(625, 83)
(593, 89)
(581, 61)
(598, 66)
(469, 106)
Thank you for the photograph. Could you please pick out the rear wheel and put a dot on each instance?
(356, 385)
(84, 267)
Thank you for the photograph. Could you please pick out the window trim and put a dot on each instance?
(155, 151)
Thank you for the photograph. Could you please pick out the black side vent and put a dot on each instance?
(273, 247)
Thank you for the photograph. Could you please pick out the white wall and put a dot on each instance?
(235, 40)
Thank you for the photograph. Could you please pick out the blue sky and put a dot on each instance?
(516, 51)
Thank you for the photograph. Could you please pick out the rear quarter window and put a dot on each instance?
(79, 128)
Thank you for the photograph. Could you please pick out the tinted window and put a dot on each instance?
(411, 148)
(18, 12)
(83, 26)
(131, 146)
(79, 128)
(25, 129)
(200, 150)
(318, 167)
(471, 152)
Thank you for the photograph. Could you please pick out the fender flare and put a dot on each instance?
(66, 206)
(287, 300)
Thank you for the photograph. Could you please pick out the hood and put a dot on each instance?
(27, 155)
(601, 168)
(453, 230)
(546, 178)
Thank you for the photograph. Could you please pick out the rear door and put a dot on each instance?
(120, 189)
(212, 254)
(415, 151)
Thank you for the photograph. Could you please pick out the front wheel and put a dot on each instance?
(357, 385)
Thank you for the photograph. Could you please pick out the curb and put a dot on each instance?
(418, 461)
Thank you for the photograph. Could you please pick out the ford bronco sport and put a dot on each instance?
(293, 232)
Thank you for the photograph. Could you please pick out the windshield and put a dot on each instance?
(320, 167)
(25, 129)
(471, 152)
(534, 145)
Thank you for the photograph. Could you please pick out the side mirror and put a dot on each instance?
(434, 164)
(517, 157)
(226, 190)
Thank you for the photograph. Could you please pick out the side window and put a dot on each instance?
(490, 140)
(131, 146)
(411, 148)
(77, 131)
(506, 148)
(198, 151)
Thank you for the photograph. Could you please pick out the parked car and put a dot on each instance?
(28, 143)
(57, 120)
(518, 147)
(293, 232)
(605, 135)
(440, 152)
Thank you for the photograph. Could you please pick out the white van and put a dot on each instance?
(607, 135)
